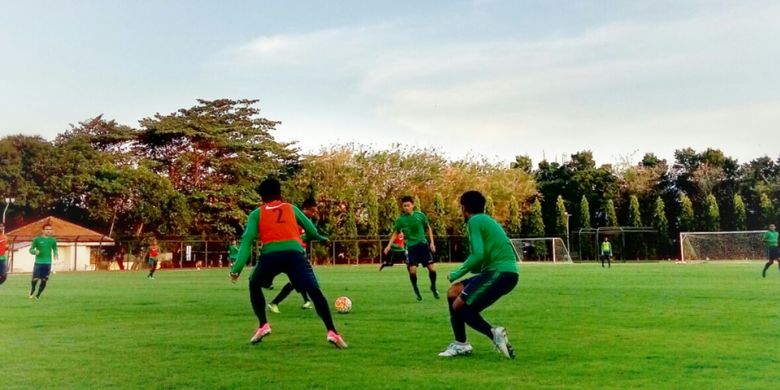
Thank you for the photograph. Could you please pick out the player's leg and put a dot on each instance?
(770, 256)
(602, 259)
(480, 293)
(412, 269)
(283, 293)
(3, 271)
(460, 346)
(432, 277)
(609, 260)
(35, 279)
(307, 304)
(262, 276)
(43, 275)
(302, 276)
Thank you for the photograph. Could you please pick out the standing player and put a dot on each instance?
(3, 249)
(772, 251)
(494, 260)
(275, 224)
(154, 251)
(606, 252)
(42, 247)
(397, 252)
(414, 225)
(309, 209)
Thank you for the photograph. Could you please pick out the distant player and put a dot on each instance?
(772, 251)
(43, 246)
(606, 252)
(153, 253)
(414, 225)
(397, 252)
(494, 260)
(3, 249)
(276, 225)
(309, 209)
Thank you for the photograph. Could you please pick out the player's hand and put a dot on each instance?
(387, 249)
(449, 278)
(234, 277)
(433, 248)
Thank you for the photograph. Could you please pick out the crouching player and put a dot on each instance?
(494, 260)
(275, 224)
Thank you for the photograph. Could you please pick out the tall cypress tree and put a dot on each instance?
(740, 213)
(661, 225)
(514, 222)
(711, 214)
(611, 213)
(687, 218)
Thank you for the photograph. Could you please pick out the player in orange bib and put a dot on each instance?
(275, 224)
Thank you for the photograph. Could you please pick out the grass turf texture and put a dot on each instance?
(573, 326)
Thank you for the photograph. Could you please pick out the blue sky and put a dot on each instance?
(485, 78)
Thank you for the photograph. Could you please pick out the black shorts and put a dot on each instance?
(395, 257)
(292, 263)
(41, 271)
(485, 289)
(3, 267)
(773, 253)
(419, 254)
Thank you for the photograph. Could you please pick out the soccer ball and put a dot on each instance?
(343, 305)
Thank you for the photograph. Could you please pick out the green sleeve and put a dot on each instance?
(476, 256)
(424, 219)
(34, 246)
(247, 241)
(56, 254)
(310, 231)
(397, 225)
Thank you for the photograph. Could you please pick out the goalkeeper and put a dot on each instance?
(772, 251)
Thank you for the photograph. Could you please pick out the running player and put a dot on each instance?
(42, 247)
(414, 225)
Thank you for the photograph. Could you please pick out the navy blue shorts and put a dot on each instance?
(419, 254)
(292, 263)
(41, 271)
(3, 267)
(395, 257)
(485, 289)
(773, 253)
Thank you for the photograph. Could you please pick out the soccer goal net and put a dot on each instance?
(542, 249)
(744, 245)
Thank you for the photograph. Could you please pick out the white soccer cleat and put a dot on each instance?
(501, 341)
(455, 348)
(274, 308)
(307, 305)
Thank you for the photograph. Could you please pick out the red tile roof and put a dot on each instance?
(63, 230)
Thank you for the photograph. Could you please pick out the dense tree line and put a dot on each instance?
(193, 173)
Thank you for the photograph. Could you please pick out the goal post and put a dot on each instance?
(542, 249)
(731, 245)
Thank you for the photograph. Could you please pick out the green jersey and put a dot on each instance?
(43, 247)
(606, 247)
(414, 227)
(770, 238)
(232, 252)
(491, 250)
(252, 233)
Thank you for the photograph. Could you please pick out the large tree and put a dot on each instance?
(214, 154)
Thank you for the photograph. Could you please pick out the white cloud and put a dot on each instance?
(633, 85)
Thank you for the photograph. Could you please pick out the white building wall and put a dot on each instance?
(72, 257)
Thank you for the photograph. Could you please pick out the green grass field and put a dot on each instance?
(573, 326)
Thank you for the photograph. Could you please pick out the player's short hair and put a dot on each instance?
(308, 203)
(270, 190)
(407, 198)
(473, 202)
(46, 225)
